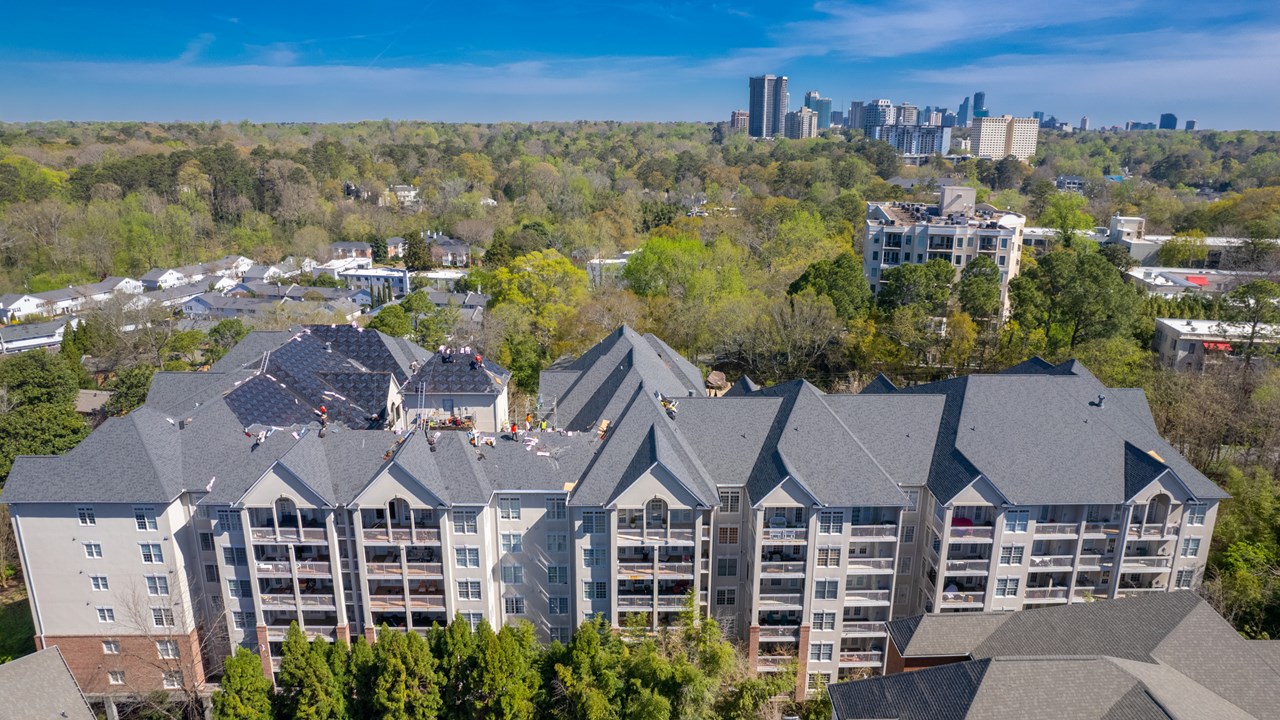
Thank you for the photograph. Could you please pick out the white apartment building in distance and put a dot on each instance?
(957, 230)
(238, 501)
(999, 137)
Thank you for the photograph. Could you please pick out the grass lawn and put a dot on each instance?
(16, 630)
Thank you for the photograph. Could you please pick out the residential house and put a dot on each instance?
(395, 247)
(16, 306)
(447, 251)
(1194, 345)
(377, 278)
(19, 337)
(341, 250)
(453, 386)
(165, 278)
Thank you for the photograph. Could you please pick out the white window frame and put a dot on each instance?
(1184, 579)
(110, 647)
(157, 585)
(466, 556)
(1016, 521)
(172, 679)
(115, 677)
(557, 574)
(826, 589)
(1190, 547)
(595, 522)
(727, 535)
(828, 556)
(464, 522)
(168, 649)
(99, 583)
(514, 605)
(913, 498)
(513, 574)
(726, 597)
(824, 621)
(106, 614)
(152, 553)
(162, 617)
(1008, 587)
(556, 509)
(1195, 512)
(86, 516)
(595, 590)
(1012, 554)
(594, 557)
(731, 501)
(93, 550)
(469, 590)
(821, 651)
(831, 522)
(558, 605)
(144, 518)
(508, 507)
(557, 542)
(512, 542)
(727, 567)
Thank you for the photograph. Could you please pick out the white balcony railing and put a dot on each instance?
(854, 629)
(779, 632)
(782, 568)
(1057, 529)
(1148, 562)
(1052, 593)
(781, 600)
(855, 597)
(963, 598)
(968, 566)
(1052, 561)
(972, 533)
(870, 565)
(785, 535)
(862, 658)
(1153, 531)
(885, 531)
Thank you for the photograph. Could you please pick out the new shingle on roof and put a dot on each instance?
(461, 375)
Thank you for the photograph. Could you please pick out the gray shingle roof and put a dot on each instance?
(459, 376)
(40, 686)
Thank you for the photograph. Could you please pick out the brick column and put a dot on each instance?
(344, 633)
(753, 647)
(802, 663)
(264, 651)
(370, 635)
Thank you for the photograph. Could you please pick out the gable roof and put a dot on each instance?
(459, 376)
(40, 685)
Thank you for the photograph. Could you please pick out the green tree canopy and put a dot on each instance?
(392, 320)
(841, 280)
(46, 429)
(927, 286)
(36, 378)
(245, 692)
(979, 288)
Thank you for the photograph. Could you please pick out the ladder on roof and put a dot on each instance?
(266, 356)
(422, 400)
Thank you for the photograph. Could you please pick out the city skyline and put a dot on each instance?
(1115, 62)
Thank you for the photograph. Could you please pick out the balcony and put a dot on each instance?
(782, 600)
(653, 535)
(862, 629)
(386, 601)
(318, 601)
(780, 633)
(271, 535)
(775, 536)
(426, 602)
(314, 568)
(1090, 561)
(1147, 564)
(862, 658)
(277, 633)
(771, 663)
(401, 536)
(962, 599)
(672, 602)
(675, 569)
(385, 569)
(640, 602)
(1052, 562)
(972, 533)
(425, 569)
(866, 597)
(782, 569)
(969, 567)
(278, 601)
(864, 565)
(635, 570)
(1101, 529)
(1087, 593)
(1046, 593)
(881, 532)
(1058, 529)
(274, 568)
(1153, 532)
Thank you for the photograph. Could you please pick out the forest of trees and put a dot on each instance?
(767, 282)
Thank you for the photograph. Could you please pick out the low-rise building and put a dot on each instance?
(378, 278)
(446, 251)
(340, 250)
(1174, 282)
(18, 337)
(395, 247)
(1197, 344)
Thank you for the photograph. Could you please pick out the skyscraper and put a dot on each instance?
(999, 137)
(857, 114)
(876, 114)
(1168, 121)
(963, 115)
(739, 119)
(802, 124)
(1084, 123)
(820, 105)
(980, 104)
(908, 114)
(768, 105)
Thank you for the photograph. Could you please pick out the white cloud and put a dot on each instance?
(196, 48)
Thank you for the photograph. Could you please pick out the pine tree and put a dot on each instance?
(307, 687)
(416, 254)
(245, 692)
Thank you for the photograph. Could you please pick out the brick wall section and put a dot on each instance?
(264, 651)
(802, 660)
(143, 668)
(753, 647)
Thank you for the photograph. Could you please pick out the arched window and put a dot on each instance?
(1158, 509)
(286, 513)
(656, 513)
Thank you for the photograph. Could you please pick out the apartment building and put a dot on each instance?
(957, 230)
(999, 137)
(802, 521)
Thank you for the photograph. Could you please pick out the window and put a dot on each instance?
(830, 522)
(595, 522)
(875, 255)
(726, 567)
(467, 557)
(817, 681)
(727, 536)
(151, 553)
(593, 557)
(144, 518)
(1000, 259)
(464, 522)
(473, 619)
(513, 605)
(512, 542)
(211, 573)
(509, 508)
(913, 498)
(238, 588)
(1184, 579)
(1195, 513)
(727, 596)
(86, 516)
(228, 520)
(558, 605)
(1016, 520)
(824, 621)
(904, 565)
(1190, 547)
(828, 557)
(468, 589)
(555, 509)
(235, 556)
(557, 542)
(560, 635)
(206, 542)
(172, 680)
(557, 575)
(592, 590)
(730, 501)
(158, 585)
(110, 647)
(167, 649)
(162, 617)
(820, 651)
(1011, 555)
(106, 615)
(93, 550)
(826, 589)
(513, 574)
(115, 677)
(241, 620)
(98, 582)
(1007, 587)
(908, 534)
(1004, 243)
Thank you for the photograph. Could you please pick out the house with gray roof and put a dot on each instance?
(1158, 656)
(41, 686)
(315, 476)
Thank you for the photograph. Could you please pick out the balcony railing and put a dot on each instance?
(783, 632)
(1082, 593)
(288, 534)
(1095, 528)
(886, 531)
(968, 566)
(671, 602)
(782, 600)
(854, 597)
(384, 568)
(428, 602)
(1052, 561)
(426, 569)
(1148, 562)
(635, 568)
(675, 568)
(317, 601)
(402, 536)
(1071, 529)
(774, 661)
(653, 534)
(386, 601)
(314, 567)
(963, 598)
(785, 535)
(274, 567)
(782, 568)
(853, 629)
(1152, 531)
(635, 601)
(864, 564)
(972, 533)
(1052, 593)
(1089, 560)
(862, 658)
(278, 600)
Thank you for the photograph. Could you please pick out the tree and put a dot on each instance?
(962, 337)
(1073, 296)
(927, 285)
(392, 320)
(227, 333)
(417, 256)
(37, 378)
(46, 429)
(435, 326)
(1186, 249)
(307, 687)
(1065, 213)
(245, 692)
(841, 280)
(1118, 256)
(979, 288)
(1254, 305)
(665, 265)
(1117, 361)
(129, 389)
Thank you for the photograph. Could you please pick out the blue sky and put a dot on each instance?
(1113, 60)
